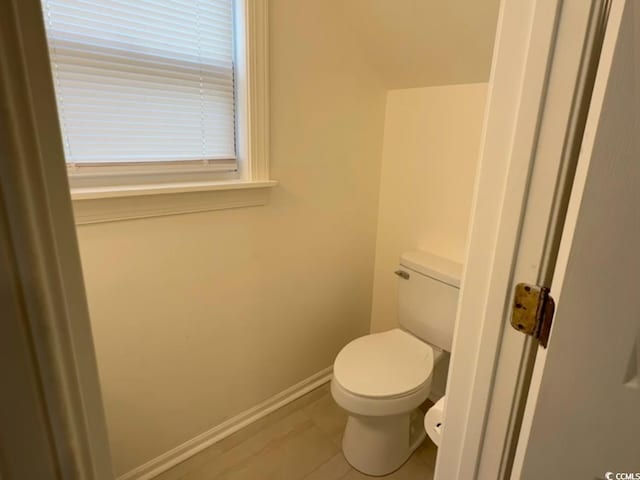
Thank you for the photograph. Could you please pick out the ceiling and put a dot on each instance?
(415, 43)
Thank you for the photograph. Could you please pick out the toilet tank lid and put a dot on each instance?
(439, 268)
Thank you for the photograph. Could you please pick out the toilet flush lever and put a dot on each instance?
(402, 274)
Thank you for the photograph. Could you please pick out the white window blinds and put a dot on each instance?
(144, 80)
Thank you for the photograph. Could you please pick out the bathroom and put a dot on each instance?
(205, 322)
(345, 239)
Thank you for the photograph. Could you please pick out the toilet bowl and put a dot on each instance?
(381, 379)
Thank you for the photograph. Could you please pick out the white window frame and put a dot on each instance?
(158, 190)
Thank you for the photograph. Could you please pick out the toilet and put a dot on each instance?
(381, 379)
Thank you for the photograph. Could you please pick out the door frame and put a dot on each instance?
(544, 63)
(609, 50)
(54, 406)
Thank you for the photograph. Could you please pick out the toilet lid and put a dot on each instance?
(385, 364)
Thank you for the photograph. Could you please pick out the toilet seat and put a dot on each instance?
(384, 365)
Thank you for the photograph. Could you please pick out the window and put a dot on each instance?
(157, 91)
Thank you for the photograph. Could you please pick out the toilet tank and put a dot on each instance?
(428, 288)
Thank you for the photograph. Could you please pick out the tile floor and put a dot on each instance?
(301, 441)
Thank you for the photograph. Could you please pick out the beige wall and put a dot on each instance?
(420, 43)
(430, 151)
(198, 317)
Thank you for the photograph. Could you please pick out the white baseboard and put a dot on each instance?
(191, 447)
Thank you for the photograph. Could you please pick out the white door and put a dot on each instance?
(583, 412)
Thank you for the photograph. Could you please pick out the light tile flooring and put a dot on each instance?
(298, 442)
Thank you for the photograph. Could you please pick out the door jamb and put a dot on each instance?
(524, 175)
(614, 15)
(44, 280)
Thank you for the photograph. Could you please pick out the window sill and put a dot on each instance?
(111, 204)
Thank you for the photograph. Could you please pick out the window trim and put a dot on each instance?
(252, 88)
(251, 180)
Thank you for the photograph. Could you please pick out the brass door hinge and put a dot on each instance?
(532, 312)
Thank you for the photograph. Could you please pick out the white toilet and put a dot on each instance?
(381, 379)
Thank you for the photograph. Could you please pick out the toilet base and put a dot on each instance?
(380, 445)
